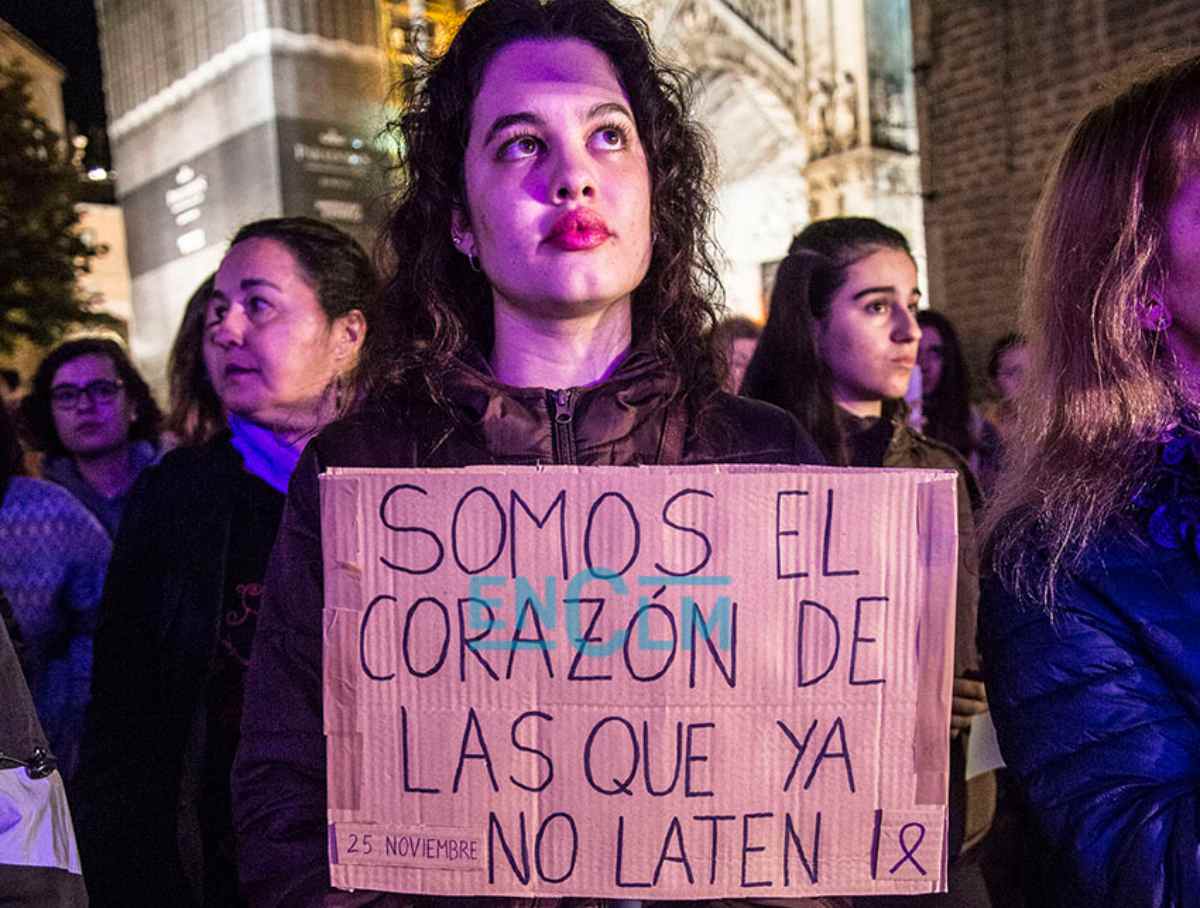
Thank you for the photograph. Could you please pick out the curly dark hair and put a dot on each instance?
(439, 305)
(35, 408)
(947, 408)
(787, 369)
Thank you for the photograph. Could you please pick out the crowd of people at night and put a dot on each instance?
(551, 296)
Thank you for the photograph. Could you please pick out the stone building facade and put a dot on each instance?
(811, 107)
(999, 86)
(221, 111)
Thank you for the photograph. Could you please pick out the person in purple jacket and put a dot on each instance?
(1091, 616)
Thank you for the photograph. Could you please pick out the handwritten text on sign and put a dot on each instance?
(683, 683)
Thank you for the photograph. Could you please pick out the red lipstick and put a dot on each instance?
(578, 230)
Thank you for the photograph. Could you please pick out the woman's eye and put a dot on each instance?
(256, 306)
(519, 148)
(610, 138)
(216, 315)
(877, 307)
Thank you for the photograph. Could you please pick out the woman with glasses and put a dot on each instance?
(53, 553)
(93, 416)
(268, 348)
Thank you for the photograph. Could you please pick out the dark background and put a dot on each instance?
(66, 30)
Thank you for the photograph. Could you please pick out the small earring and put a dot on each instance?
(473, 261)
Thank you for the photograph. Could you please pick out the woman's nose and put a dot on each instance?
(231, 329)
(905, 330)
(574, 177)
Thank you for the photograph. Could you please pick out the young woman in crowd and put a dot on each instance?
(95, 419)
(946, 410)
(280, 341)
(736, 336)
(552, 296)
(1007, 364)
(52, 564)
(837, 350)
(1091, 627)
(195, 413)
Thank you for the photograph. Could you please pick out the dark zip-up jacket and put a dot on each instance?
(632, 418)
(135, 798)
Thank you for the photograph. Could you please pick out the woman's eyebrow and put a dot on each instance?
(529, 117)
(609, 107)
(867, 291)
(502, 123)
(259, 282)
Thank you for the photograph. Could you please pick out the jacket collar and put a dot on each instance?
(519, 422)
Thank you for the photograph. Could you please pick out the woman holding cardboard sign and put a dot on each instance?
(1091, 618)
(552, 294)
(844, 310)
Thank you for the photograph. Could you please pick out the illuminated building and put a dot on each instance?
(811, 107)
(222, 111)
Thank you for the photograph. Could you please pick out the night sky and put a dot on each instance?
(66, 29)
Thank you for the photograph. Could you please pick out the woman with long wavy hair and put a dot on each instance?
(553, 295)
(1090, 621)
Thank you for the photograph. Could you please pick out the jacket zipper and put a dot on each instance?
(562, 406)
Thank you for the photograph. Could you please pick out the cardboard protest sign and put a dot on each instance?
(638, 682)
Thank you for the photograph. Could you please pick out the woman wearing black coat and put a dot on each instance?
(267, 356)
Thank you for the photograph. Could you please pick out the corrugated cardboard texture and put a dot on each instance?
(652, 682)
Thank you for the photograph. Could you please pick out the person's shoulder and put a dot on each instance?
(753, 431)
(381, 434)
(188, 460)
(913, 448)
(26, 489)
(755, 416)
(917, 449)
(39, 498)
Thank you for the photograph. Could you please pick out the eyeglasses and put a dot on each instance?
(100, 391)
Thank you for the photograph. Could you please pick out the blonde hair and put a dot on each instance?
(1100, 390)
